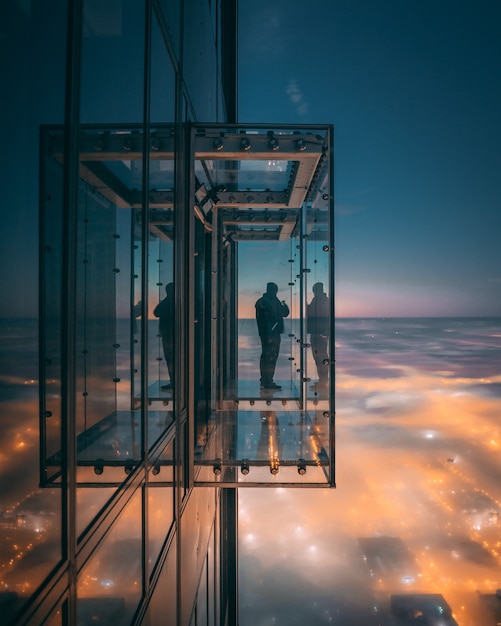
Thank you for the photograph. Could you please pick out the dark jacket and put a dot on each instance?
(165, 312)
(269, 315)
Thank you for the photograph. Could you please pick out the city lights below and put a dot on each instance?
(417, 502)
(415, 509)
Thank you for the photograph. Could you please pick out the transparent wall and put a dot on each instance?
(124, 262)
(110, 584)
(160, 501)
(262, 304)
(122, 244)
(51, 250)
(265, 197)
(107, 367)
(163, 606)
(33, 88)
(112, 319)
(101, 283)
(161, 223)
(264, 266)
(200, 58)
(112, 72)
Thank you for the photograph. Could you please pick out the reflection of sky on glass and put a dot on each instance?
(160, 267)
(161, 173)
(418, 442)
(270, 175)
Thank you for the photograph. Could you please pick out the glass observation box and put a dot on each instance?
(188, 305)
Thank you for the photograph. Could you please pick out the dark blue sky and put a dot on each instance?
(414, 92)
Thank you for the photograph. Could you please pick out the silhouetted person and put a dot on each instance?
(165, 313)
(269, 315)
(317, 324)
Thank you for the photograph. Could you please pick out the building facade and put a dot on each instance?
(161, 221)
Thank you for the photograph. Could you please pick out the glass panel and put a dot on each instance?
(161, 289)
(264, 195)
(108, 420)
(161, 375)
(108, 416)
(56, 619)
(212, 580)
(319, 322)
(30, 517)
(102, 283)
(91, 501)
(112, 62)
(138, 307)
(110, 584)
(110, 310)
(199, 61)
(171, 17)
(203, 370)
(201, 613)
(51, 227)
(268, 314)
(163, 77)
(160, 501)
(162, 608)
(268, 175)
(262, 343)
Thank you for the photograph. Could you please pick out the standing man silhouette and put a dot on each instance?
(269, 315)
(165, 312)
(317, 324)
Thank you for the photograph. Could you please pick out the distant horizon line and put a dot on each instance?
(336, 317)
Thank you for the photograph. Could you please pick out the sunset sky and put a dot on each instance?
(413, 90)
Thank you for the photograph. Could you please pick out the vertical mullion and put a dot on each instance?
(69, 275)
(144, 286)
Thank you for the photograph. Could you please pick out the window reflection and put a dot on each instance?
(115, 309)
(110, 584)
(160, 501)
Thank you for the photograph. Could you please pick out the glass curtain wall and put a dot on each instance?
(116, 338)
(116, 419)
(33, 92)
(88, 503)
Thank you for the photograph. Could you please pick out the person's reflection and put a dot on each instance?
(269, 316)
(317, 324)
(268, 446)
(165, 313)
